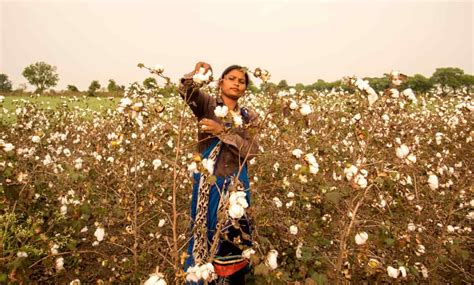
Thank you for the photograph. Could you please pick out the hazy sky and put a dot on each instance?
(299, 41)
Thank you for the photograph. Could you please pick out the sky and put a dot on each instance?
(299, 41)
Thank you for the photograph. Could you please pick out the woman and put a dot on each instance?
(226, 145)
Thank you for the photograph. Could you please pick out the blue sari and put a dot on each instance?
(216, 190)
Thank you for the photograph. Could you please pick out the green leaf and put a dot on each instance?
(334, 197)
(261, 269)
(12, 192)
(320, 278)
(389, 242)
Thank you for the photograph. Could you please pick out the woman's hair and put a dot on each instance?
(237, 67)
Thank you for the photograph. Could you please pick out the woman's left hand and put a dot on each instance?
(210, 126)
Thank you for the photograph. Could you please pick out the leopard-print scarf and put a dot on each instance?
(200, 248)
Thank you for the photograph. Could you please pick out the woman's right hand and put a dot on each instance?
(204, 65)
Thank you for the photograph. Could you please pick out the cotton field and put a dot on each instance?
(349, 185)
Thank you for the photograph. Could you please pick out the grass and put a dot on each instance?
(11, 103)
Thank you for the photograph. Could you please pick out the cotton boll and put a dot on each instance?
(237, 120)
(411, 158)
(236, 211)
(36, 139)
(402, 151)
(297, 153)
(156, 163)
(393, 272)
(277, 202)
(309, 157)
(433, 182)
(350, 172)
(208, 165)
(242, 202)
(248, 252)
(8, 147)
(158, 68)
(361, 181)
(313, 169)
(372, 96)
(293, 105)
(299, 252)
(54, 249)
(420, 250)
(271, 259)
(305, 109)
(221, 111)
(411, 227)
(403, 271)
(192, 167)
(99, 234)
(361, 238)
(59, 264)
(22, 254)
(63, 210)
(394, 93)
(294, 230)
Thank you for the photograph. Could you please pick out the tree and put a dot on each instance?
(467, 81)
(268, 86)
(72, 88)
(112, 86)
(299, 87)
(251, 86)
(282, 84)
(149, 83)
(41, 75)
(95, 85)
(418, 83)
(320, 85)
(5, 84)
(378, 83)
(448, 77)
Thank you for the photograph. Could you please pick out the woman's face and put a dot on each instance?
(233, 84)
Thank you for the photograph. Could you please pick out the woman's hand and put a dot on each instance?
(210, 126)
(204, 65)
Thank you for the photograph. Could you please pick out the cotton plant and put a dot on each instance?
(156, 278)
(237, 204)
(262, 74)
(293, 230)
(271, 259)
(361, 238)
(139, 102)
(410, 95)
(202, 77)
(204, 272)
(229, 118)
(433, 182)
(363, 86)
(99, 234)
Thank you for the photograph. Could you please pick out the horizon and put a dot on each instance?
(299, 43)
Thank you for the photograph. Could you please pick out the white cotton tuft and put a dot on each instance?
(433, 182)
(271, 259)
(361, 238)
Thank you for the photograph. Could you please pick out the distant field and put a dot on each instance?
(10, 104)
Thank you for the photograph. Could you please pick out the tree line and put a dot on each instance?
(448, 79)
